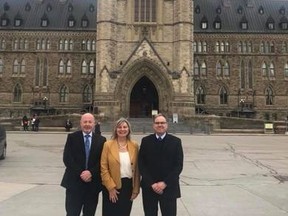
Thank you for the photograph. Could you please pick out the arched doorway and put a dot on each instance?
(143, 99)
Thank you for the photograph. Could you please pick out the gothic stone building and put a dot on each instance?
(135, 57)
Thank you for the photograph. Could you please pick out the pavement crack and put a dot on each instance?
(250, 160)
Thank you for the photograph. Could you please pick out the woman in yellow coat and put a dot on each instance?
(119, 171)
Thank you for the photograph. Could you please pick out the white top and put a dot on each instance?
(125, 165)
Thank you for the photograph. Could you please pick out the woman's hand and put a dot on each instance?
(113, 197)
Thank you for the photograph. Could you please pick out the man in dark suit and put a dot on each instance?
(82, 178)
(160, 165)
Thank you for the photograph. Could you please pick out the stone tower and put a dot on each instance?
(144, 58)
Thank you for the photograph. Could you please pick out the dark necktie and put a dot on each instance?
(159, 138)
(87, 148)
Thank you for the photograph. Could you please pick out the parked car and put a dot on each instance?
(3, 143)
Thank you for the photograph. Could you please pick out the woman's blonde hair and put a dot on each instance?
(119, 122)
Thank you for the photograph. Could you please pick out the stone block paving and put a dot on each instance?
(227, 175)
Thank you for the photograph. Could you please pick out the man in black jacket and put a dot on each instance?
(160, 165)
(82, 179)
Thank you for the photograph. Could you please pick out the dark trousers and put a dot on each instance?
(77, 201)
(151, 199)
(123, 206)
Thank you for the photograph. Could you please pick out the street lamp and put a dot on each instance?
(241, 104)
(242, 101)
(45, 99)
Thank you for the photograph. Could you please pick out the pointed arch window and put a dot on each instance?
(285, 69)
(217, 47)
(88, 47)
(1, 66)
(218, 69)
(271, 47)
(264, 69)
(195, 47)
(271, 70)
(64, 93)
(37, 74)
(222, 46)
(38, 44)
(45, 73)
(223, 96)
(87, 94)
(48, 44)
(20, 45)
(145, 10)
(61, 44)
(93, 45)
(16, 67)
(17, 93)
(66, 45)
(226, 69)
(244, 48)
(23, 66)
(262, 47)
(61, 67)
(84, 68)
(203, 70)
(83, 45)
(69, 67)
(227, 46)
(285, 47)
(26, 44)
(91, 67)
(2, 44)
(15, 44)
(269, 96)
(71, 44)
(200, 95)
(204, 46)
(242, 75)
(196, 69)
(250, 74)
(43, 44)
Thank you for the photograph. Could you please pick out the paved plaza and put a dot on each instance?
(224, 175)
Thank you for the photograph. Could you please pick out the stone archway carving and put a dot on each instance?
(131, 75)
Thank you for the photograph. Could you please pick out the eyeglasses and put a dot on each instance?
(160, 123)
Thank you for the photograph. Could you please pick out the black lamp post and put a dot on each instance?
(45, 99)
(242, 101)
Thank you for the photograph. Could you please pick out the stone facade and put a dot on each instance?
(160, 51)
(32, 94)
(139, 67)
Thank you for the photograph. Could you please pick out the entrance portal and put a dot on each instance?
(143, 99)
